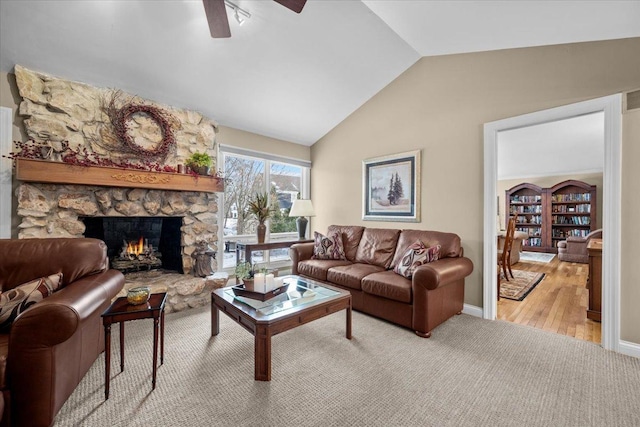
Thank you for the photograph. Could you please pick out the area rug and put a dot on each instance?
(519, 287)
(536, 256)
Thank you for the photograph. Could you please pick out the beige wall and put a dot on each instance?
(255, 142)
(550, 181)
(440, 106)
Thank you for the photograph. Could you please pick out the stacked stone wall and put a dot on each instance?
(57, 110)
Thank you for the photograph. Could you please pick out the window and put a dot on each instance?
(249, 173)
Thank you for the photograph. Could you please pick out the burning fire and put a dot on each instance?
(136, 248)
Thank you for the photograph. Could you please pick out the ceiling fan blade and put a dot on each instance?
(217, 18)
(295, 5)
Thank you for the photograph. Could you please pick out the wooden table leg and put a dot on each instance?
(215, 319)
(107, 359)
(162, 337)
(349, 321)
(263, 354)
(155, 351)
(121, 346)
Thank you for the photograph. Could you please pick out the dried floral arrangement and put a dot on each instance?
(80, 156)
(121, 116)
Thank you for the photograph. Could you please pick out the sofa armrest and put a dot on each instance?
(54, 343)
(56, 318)
(438, 273)
(299, 252)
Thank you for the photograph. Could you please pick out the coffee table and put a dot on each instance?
(304, 301)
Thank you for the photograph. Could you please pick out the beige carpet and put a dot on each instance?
(519, 286)
(471, 372)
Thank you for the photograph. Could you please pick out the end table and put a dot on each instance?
(121, 311)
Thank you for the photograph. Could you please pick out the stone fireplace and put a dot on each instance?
(57, 110)
(51, 210)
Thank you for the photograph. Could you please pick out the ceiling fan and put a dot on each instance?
(219, 23)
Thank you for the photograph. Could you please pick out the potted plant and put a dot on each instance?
(200, 163)
(259, 207)
(244, 272)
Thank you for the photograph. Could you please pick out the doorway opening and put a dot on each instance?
(611, 108)
(550, 179)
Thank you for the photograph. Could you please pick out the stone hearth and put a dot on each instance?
(183, 291)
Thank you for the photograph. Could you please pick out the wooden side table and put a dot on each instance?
(244, 250)
(594, 281)
(121, 311)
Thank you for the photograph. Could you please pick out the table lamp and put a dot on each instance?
(302, 208)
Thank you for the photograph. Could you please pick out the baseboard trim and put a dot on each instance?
(629, 348)
(472, 310)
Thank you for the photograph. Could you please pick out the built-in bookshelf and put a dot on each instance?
(573, 210)
(549, 215)
(527, 203)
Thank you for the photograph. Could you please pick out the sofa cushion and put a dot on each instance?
(416, 255)
(388, 284)
(328, 247)
(449, 243)
(351, 235)
(378, 246)
(317, 268)
(17, 300)
(350, 275)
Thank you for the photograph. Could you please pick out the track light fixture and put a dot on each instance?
(237, 11)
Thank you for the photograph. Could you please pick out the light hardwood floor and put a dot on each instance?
(558, 304)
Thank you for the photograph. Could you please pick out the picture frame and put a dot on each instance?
(391, 187)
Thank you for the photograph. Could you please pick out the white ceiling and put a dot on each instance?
(287, 76)
(564, 147)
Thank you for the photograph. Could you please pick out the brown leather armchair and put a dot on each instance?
(52, 345)
(574, 249)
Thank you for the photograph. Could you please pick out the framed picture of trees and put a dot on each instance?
(391, 188)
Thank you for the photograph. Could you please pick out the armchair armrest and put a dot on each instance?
(299, 252)
(56, 318)
(576, 239)
(436, 274)
(53, 344)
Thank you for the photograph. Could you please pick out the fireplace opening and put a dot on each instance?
(139, 243)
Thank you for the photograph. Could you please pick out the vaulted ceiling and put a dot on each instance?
(283, 75)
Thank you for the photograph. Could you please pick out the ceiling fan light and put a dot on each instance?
(237, 16)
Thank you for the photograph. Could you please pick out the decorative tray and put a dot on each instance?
(239, 290)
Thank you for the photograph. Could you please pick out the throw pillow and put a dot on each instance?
(416, 255)
(328, 247)
(20, 298)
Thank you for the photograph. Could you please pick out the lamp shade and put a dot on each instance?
(302, 207)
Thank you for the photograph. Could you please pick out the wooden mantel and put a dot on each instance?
(31, 170)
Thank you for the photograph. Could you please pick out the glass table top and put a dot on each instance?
(300, 292)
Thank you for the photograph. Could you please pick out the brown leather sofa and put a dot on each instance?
(51, 345)
(574, 249)
(433, 295)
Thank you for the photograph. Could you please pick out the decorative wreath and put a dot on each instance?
(121, 116)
